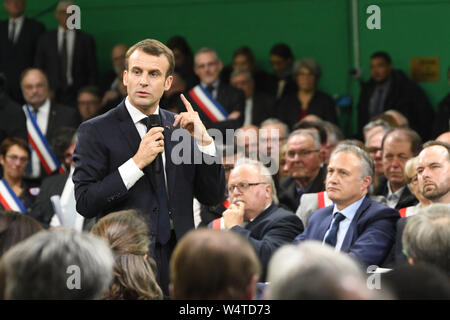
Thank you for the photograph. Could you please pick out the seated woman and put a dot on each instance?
(134, 277)
(16, 193)
(307, 100)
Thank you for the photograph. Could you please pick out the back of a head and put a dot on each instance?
(14, 228)
(311, 270)
(60, 264)
(417, 282)
(134, 271)
(426, 237)
(213, 264)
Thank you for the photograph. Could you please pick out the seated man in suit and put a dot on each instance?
(433, 175)
(354, 224)
(306, 172)
(219, 105)
(259, 106)
(43, 117)
(254, 213)
(398, 146)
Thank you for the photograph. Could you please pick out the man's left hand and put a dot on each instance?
(190, 121)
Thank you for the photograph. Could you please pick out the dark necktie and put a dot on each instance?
(210, 88)
(155, 172)
(332, 235)
(377, 107)
(12, 32)
(63, 60)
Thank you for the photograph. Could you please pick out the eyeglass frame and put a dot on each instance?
(243, 186)
(301, 154)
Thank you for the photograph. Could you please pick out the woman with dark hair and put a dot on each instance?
(184, 60)
(134, 277)
(15, 227)
(16, 194)
(307, 100)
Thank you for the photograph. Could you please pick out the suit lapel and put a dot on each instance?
(325, 223)
(52, 121)
(127, 127)
(352, 229)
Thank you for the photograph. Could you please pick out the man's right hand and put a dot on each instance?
(151, 145)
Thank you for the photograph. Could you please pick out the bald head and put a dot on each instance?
(445, 137)
(34, 86)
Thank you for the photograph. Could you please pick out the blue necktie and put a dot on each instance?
(332, 235)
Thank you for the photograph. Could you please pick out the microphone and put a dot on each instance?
(154, 120)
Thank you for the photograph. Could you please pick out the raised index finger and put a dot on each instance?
(187, 104)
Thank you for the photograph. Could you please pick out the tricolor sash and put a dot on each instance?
(323, 200)
(40, 144)
(219, 223)
(210, 106)
(8, 198)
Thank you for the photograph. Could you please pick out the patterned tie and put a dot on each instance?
(332, 235)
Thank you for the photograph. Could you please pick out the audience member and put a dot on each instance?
(134, 271)
(426, 237)
(184, 60)
(281, 59)
(416, 282)
(247, 141)
(219, 105)
(254, 213)
(398, 146)
(391, 89)
(272, 136)
(442, 119)
(73, 64)
(89, 102)
(113, 77)
(57, 265)
(374, 149)
(317, 126)
(18, 42)
(400, 119)
(14, 228)
(375, 125)
(308, 99)
(304, 164)
(355, 224)
(310, 271)
(259, 105)
(334, 136)
(202, 267)
(43, 118)
(55, 204)
(16, 193)
(445, 137)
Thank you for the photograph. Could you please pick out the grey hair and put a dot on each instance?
(366, 168)
(334, 133)
(291, 262)
(275, 121)
(377, 123)
(310, 64)
(207, 50)
(426, 237)
(313, 133)
(263, 171)
(41, 266)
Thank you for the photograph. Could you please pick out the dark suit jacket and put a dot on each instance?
(231, 99)
(405, 96)
(442, 119)
(43, 210)
(370, 236)
(263, 107)
(288, 194)
(270, 230)
(12, 120)
(399, 257)
(322, 105)
(16, 58)
(407, 199)
(84, 64)
(108, 141)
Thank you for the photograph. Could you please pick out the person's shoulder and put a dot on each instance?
(37, 25)
(378, 210)
(287, 182)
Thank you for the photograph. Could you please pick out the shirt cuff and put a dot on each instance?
(210, 149)
(130, 173)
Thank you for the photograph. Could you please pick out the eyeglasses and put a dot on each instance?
(242, 186)
(301, 153)
(17, 158)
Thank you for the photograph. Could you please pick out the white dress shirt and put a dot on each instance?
(129, 171)
(393, 197)
(18, 27)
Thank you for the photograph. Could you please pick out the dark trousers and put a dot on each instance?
(162, 257)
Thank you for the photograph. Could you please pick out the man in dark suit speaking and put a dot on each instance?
(354, 223)
(120, 154)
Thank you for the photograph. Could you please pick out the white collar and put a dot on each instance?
(18, 20)
(396, 193)
(135, 113)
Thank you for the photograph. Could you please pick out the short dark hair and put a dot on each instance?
(94, 90)
(246, 51)
(383, 55)
(154, 48)
(13, 141)
(411, 135)
(61, 140)
(282, 50)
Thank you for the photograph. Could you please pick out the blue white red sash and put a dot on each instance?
(219, 223)
(40, 144)
(323, 200)
(8, 198)
(210, 106)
